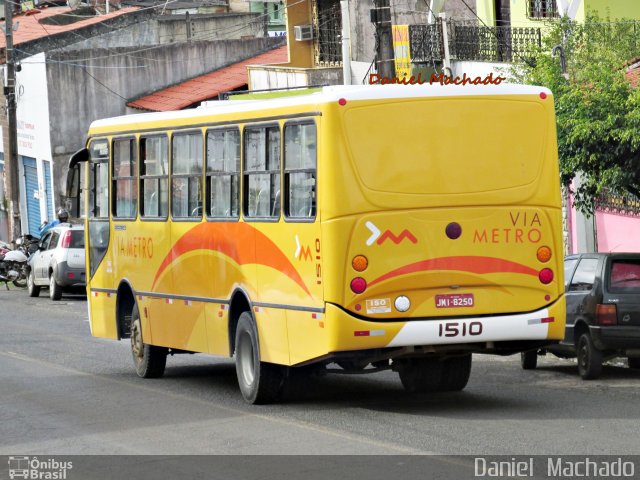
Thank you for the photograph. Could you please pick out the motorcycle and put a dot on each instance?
(13, 263)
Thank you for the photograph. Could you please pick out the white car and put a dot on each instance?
(59, 262)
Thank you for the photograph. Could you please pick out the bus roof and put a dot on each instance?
(325, 95)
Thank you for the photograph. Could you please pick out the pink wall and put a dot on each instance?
(617, 233)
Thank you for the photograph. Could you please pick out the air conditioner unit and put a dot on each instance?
(303, 33)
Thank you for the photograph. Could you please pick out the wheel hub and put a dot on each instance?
(245, 354)
(136, 340)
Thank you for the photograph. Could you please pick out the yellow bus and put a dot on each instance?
(355, 229)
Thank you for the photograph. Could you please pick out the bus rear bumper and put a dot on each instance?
(540, 326)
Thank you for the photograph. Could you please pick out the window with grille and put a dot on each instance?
(327, 32)
(541, 9)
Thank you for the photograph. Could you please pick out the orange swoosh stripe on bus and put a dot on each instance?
(236, 241)
(463, 264)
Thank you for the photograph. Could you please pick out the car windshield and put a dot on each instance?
(77, 239)
(625, 276)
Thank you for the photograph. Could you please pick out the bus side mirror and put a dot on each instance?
(72, 194)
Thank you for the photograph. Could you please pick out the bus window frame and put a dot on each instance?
(113, 194)
(91, 210)
(285, 182)
(172, 135)
(239, 173)
(141, 178)
(244, 191)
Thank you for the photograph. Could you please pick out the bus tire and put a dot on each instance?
(589, 358)
(529, 360)
(420, 375)
(259, 382)
(149, 360)
(55, 290)
(32, 288)
(455, 373)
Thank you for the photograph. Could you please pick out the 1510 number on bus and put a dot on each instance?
(459, 329)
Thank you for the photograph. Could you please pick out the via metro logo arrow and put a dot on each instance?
(388, 234)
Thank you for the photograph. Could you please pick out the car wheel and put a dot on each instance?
(634, 362)
(259, 382)
(32, 288)
(55, 290)
(149, 360)
(455, 373)
(421, 375)
(589, 358)
(529, 360)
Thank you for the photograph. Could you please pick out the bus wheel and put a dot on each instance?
(455, 373)
(420, 374)
(148, 359)
(529, 360)
(589, 358)
(259, 382)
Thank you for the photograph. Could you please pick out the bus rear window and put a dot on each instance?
(447, 146)
(625, 276)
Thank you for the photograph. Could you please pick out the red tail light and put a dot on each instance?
(66, 240)
(606, 314)
(358, 285)
(546, 276)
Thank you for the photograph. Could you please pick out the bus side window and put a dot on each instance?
(300, 164)
(154, 176)
(261, 171)
(223, 173)
(186, 175)
(125, 189)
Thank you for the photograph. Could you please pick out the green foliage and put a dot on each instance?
(598, 112)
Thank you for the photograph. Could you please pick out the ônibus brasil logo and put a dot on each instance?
(33, 468)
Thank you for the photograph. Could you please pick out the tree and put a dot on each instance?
(598, 111)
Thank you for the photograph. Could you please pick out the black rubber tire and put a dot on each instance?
(32, 288)
(529, 360)
(149, 360)
(421, 375)
(259, 382)
(634, 362)
(455, 373)
(589, 358)
(21, 281)
(55, 290)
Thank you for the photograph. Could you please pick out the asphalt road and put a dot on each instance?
(64, 392)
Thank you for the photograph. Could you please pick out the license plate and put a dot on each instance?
(454, 300)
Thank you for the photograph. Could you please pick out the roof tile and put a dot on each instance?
(206, 86)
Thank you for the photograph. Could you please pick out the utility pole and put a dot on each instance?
(11, 151)
(381, 17)
(346, 43)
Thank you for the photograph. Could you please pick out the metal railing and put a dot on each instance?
(426, 43)
(472, 42)
(328, 34)
(628, 205)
